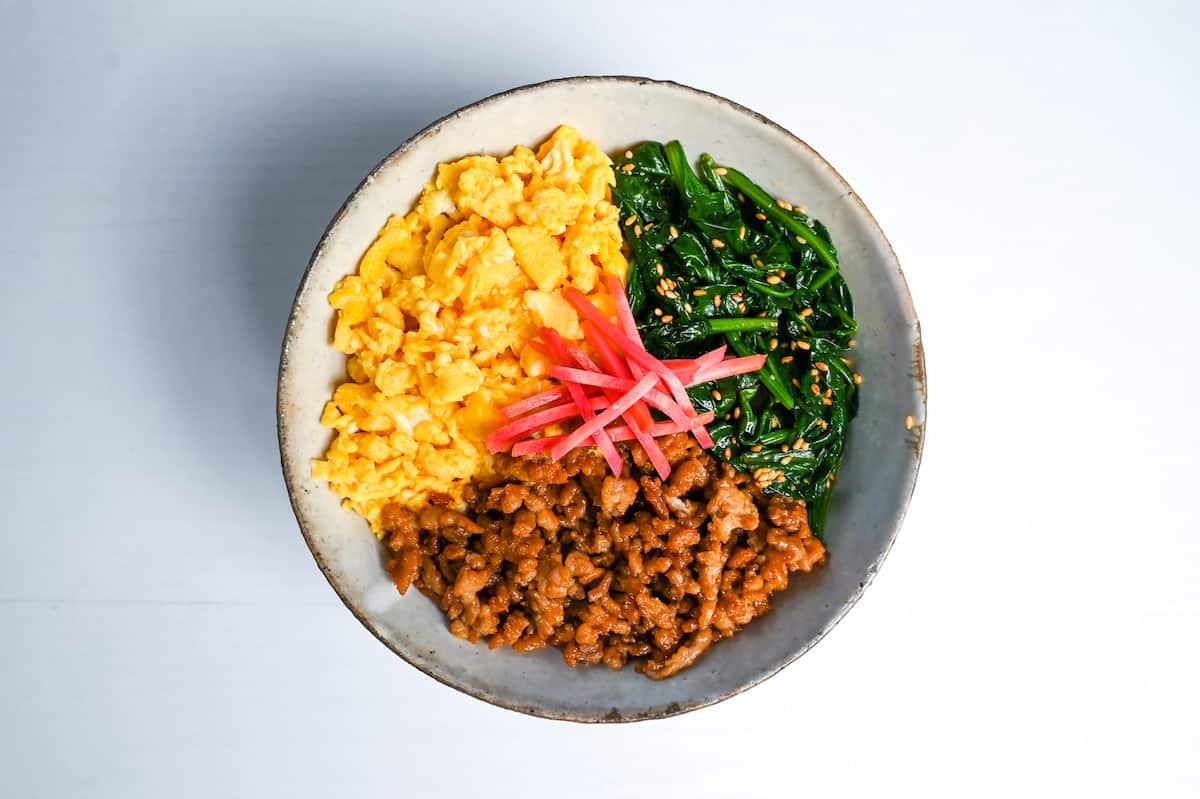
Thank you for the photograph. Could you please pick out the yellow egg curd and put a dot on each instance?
(438, 318)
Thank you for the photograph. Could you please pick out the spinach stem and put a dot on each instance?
(768, 289)
(823, 278)
(768, 375)
(773, 211)
(740, 324)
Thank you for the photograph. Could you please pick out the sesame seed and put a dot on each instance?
(909, 422)
(815, 374)
(827, 401)
(774, 343)
(687, 307)
(802, 211)
(674, 233)
(804, 345)
(774, 280)
(800, 240)
(796, 382)
(649, 225)
(630, 220)
(852, 342)
(742, 232)
(699, 293)
(627, 168)
(717, 300)
(801, 443)
(785, 448)
(756, 448)
(857, 379)
(728, 453)
(787, 359)
(784, 204)
(765, 476)
(815, 388)
(728, 417)
(718, 243)
(716, 395)
(786, 460)
(658, 268)
(741, 197)
(844, 359)
(761, 217)
(737, 412)
(637, 230)
(807, 312)
(824, 367)
(774, 423)
(658, 311)
(668, 319)
(629, 153)
(721, 171)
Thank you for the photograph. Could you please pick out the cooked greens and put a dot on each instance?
(715, 259)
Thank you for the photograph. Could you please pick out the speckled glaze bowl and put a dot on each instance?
(875, 481)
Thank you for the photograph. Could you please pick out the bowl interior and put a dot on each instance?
(877, 475)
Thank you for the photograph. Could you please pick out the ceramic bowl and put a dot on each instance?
(874, 483)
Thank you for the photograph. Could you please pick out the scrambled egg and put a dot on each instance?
(438, 318)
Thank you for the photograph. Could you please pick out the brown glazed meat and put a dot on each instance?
(605, 568)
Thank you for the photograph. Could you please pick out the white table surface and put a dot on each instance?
(165, 170)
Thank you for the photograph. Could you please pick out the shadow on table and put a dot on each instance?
(312, 162)
(224, 267)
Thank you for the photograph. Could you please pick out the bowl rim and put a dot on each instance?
(291, 480)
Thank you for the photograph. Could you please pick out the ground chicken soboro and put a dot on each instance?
(608, 569)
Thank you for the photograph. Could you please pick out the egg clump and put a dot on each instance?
(438, 318)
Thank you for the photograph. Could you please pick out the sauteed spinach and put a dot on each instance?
(716, 259)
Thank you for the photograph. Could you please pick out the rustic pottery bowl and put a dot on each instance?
(875, 481)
